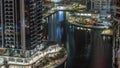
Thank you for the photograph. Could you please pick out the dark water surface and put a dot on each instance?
(86, 49)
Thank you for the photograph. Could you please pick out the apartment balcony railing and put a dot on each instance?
(118, 12)
(30, 57)
(116, 18)
(117, 7)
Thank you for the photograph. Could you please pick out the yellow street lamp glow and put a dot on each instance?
(107, 32)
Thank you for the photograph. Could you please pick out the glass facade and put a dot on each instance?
(116, 30)
(102, 5)
(117, 16)
(9, 22)
(22, 23)
(34, 30)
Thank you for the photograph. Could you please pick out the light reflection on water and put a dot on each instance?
(60, 16)
(59, 29)
(59, 32)
(55, 26)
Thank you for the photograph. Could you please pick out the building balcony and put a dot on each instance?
(117, 7)
(117, 19)
(118, 12)
(50, 57)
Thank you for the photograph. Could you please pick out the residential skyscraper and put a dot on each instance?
(117, 10)
(21, 23)
(117, 22)
(9, 21)
(117, 7)
(116, 37)
(117, 16)
(33, 22)
(102, 5)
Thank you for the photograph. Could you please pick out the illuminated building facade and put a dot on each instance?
(117, 11)
(9, 22)
(21, 23)
(116, 35)
(102, 5)
(33, 20)
(117, 23)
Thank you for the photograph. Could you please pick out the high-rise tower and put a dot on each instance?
(117, 22)
(33, 20)
(116, 37)
(21, 23)
(102, 5)
(9, 21)
(117, 17)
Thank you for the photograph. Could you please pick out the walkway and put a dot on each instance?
(30, 60)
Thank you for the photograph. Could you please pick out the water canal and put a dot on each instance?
(81, 45)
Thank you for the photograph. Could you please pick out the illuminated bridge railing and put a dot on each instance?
(28, 58)
(19, 52)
